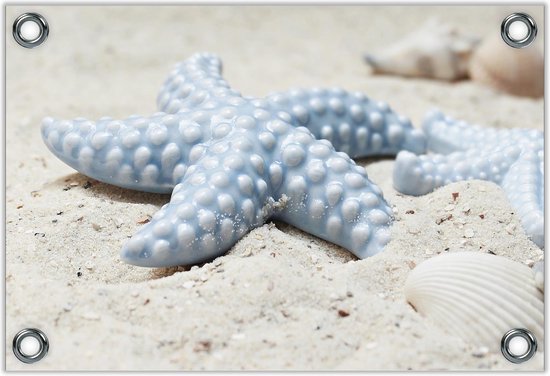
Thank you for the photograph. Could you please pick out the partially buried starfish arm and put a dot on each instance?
(331, 197)
(511, 158)
(354, 123)
(264, 168)
(524, 187)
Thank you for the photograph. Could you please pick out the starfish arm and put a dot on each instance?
(512, 158)
(329, 196)
(445, 135)
(141, 153)
(264, 167)
(222, 197)
(352, 122)
(194, 83)
(417, 175)
(524, 187)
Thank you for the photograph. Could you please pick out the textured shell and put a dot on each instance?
(434, 51)
(512, 70)
(477, 296)
(538, 269)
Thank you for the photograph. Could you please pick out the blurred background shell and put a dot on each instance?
(477, 296)
(516, 71)
(436, 50)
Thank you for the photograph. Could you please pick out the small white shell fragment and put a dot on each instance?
(480, 352)
(92, 316)
(188, 284)
(371, 345)
(477, 297)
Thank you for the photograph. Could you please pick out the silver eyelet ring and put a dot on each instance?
(30, 17)
(531, 30)
(531, 345)
(42, 341)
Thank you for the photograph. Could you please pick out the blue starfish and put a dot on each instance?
(232, 163)
(512, 158)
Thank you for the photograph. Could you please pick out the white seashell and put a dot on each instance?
(517, 71)
(436, 50)
(477, 296)
(538, 269)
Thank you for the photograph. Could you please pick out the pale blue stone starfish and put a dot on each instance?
(512, 158)
(232, 163)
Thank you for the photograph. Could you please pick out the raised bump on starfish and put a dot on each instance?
(512, 158)
(153, 151)
(263, 168)
(254, 164)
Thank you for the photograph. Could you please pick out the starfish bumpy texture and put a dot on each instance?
(512, 158)
(232, 163)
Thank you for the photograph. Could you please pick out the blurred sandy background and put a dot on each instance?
(273, 301)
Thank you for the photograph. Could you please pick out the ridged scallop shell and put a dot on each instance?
(436, 50)
(517, 71)
(538, 269)
(477, 296)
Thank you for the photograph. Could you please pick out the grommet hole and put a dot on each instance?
(30, 345)
(30, 30)
(518, 346)
(518, 30)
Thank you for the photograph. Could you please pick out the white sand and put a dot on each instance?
(273, 301)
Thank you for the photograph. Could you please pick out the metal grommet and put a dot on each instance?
(42, 26)
(527, 39)
(529, 339)
(42, 342)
